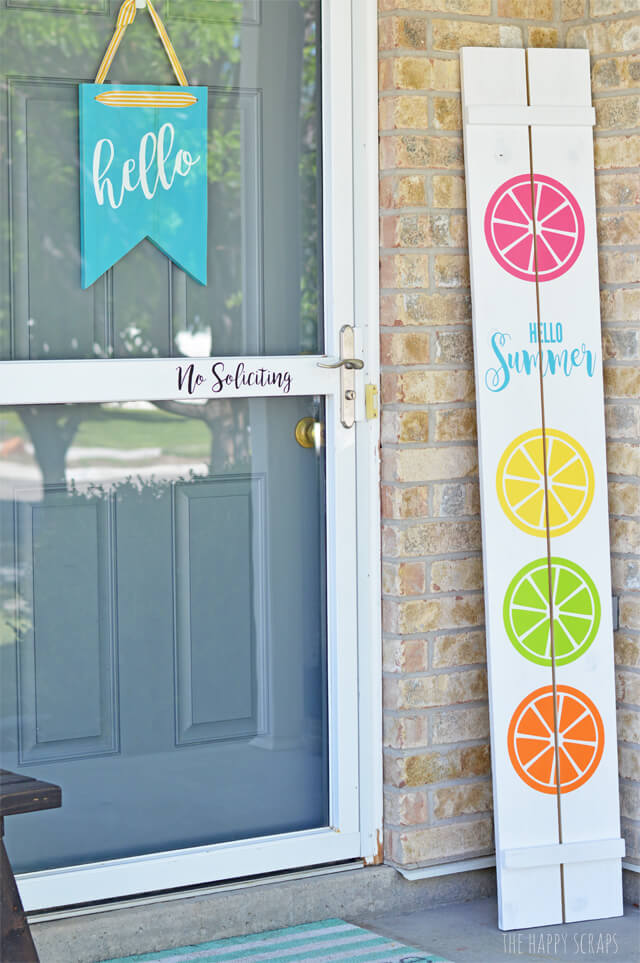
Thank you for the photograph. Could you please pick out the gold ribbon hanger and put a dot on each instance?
(142, 98)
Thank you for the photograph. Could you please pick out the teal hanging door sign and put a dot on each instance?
(143, 160)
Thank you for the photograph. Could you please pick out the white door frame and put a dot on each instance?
(353, 539)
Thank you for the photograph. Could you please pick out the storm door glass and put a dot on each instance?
(162, 644)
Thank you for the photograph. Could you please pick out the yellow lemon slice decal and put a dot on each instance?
(520, 482)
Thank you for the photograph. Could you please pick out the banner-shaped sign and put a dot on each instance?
(534, 275)
(143, 157)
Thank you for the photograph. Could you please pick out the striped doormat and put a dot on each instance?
(327, 940)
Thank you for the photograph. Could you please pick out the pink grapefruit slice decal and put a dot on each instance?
(508, 227)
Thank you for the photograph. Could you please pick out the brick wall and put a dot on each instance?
(437, 762)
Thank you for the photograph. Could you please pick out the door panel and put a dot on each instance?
(166, 605)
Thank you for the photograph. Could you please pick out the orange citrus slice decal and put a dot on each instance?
(531, 739)
(559, 227)
(520, 482)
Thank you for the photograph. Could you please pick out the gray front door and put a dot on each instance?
(162, 563)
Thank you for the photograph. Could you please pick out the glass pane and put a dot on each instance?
(162, 613)
(261, 62)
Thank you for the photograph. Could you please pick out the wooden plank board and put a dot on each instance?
(543, 482)
(502, 308)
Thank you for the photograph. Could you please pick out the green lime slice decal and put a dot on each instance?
(576, 611)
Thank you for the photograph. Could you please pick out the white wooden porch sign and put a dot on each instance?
(534, 278)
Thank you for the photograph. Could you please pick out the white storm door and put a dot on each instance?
(179, 641)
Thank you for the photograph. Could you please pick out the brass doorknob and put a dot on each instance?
(309, 433)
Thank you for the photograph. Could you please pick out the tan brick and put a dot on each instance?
(621, 344)
(625, 535)
(526, 9)
(420, 73)
(612, 152)
(629, 800)
(404, 112)
(463, 648)
(628, 725)
(616, 73)
(476, 8)
(542, 37)
(618, 189)
(441, 308)
(456, 575)
(405, 502)
(620, 305)
(627, 649)
(573, 9)
(404, 348)
(420, 151)
(623, 227)
(628, 762)
(631, 836)
(404, 578)
(454, 347)
(628, 684)
(413, 427)
(623, 458)
(425, 615)
(406, 732)
(406, 808)
(429, 464)
(448, 190)
(451, 270)
(455, 424)
(405, 655)
(466, 800)
(411, 191)
(630, 619)
(624, 499)
(430, 767)
(621, 267)
(453, 34)
(436, 538)
(460, 725)
(621, 382)
(623, 421)
(427, 387)
(625, 575)
(438, 842)
(613, 36)
(446, 73)
(447, 113)
(404, 271)
(455, 499)
(608, 8)
(618, 113)
(404, 426)
(403, 32)
(423, 230)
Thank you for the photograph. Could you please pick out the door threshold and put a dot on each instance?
(167, 896)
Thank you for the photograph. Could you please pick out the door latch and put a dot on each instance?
(348, 366)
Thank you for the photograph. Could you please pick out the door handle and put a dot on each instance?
(351, 363)
(348, 366)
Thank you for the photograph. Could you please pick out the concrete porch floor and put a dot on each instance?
(468, 933)
(454, 916)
